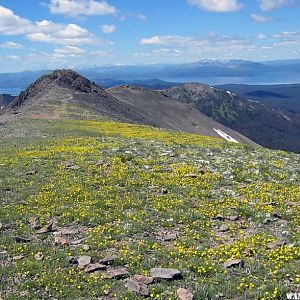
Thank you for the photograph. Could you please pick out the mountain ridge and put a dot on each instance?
(63, 93)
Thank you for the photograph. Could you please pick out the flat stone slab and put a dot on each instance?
(233, 263)
(143, 279)
(165, 273)
(117, 273)
(94, 268)
(137, 287)
(83, 260)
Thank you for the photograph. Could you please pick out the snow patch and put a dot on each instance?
(225, 136)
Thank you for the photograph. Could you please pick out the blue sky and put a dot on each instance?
(39, 34)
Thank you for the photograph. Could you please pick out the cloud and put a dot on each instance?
(217, 5)
(211, 45)
(261, 36)
(69, 51)
(53, 33)
(287, 38)
(75, 8)
(165, 52)
(165, 40)
(108, 28)
(268, 5)
(260, 18)
(11, 45)
(45, 31)
(11, 24)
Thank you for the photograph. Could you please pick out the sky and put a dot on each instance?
(47, 34)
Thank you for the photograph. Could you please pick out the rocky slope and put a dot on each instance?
(164, 112)
(267, 126)
(64, 93)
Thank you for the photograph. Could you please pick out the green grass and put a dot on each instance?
(113, 198)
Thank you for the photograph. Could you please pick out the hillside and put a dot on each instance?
(164, 112)
(65, 94)
(263, 124)
(87, 205)
(284, 96)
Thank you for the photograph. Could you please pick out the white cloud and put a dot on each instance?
(53, 33)
(260, 18)
(76, 8)
(108, 28)
(11, 24)
(45, 31)
(268, 5)
(165, 40)
(69, 51)
(11, 45)
(161, 52)
(261, 36)
(12, 57)
(217, 5)
(287, 39)
(211, 45)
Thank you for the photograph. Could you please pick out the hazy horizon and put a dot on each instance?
(51, 34)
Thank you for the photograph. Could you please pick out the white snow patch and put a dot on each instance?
(225, 136)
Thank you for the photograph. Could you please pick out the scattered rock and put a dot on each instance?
(143, 279)
(267, 221)
(170, 237)
(117, 273)
(223, 228)
(60, 241)
(20, 240)
(192, 175)
(276, 244)
(277, 215)
(165, 273)
(183, 294)
(233, 218)
(39, 256)
(220, 218)
(163, 191)
(83, 261)
(94, 268)
(232, 263)
(137, 287)
(78, 242)
(75, 167)
(108, 260)
(33, 223)
(31, 173)
(18, 257)
(203, 170)
(45, 229)
(86, 247)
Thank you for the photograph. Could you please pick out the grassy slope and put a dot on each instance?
(119, 206)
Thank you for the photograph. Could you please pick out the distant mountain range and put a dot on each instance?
(211, 72)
